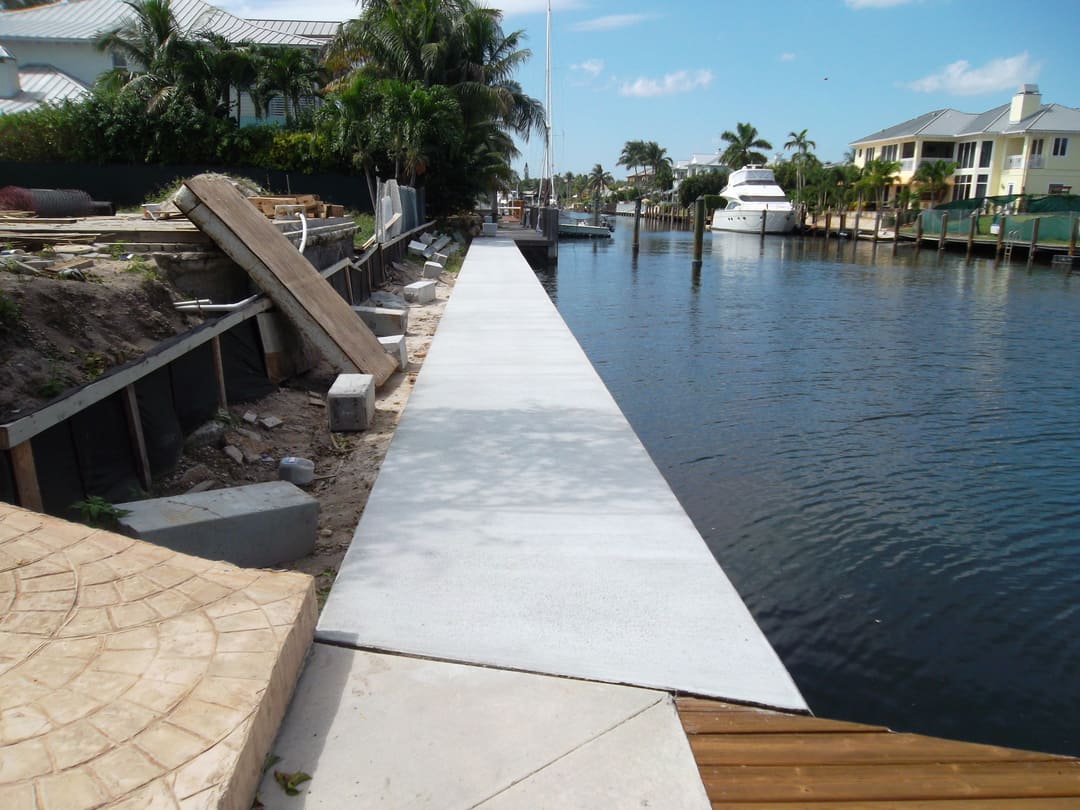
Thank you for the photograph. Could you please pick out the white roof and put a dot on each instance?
(42, 84)
(315, 29)
(80, 20)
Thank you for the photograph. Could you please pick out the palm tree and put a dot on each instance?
(598, 181)
(655, 156)
(741, 145)
(152, 45)
(934, 178)
(632, 155)
(291, 73)
(802, 146)
(877, 175)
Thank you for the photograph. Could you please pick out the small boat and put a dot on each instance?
(752, 193)
(580, 229)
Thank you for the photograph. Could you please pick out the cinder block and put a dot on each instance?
(350, 403)
(439, 258)
(432, 269)
(427, 238)
(491, 229)
(395, 346)
(441, 242)
(384, 321)
(420, 292)
(256, 526)
(417, 248)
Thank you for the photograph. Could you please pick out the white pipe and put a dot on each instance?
(189, 306)
(303, 230)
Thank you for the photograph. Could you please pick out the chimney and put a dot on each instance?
(9, 75)
(1026, 102)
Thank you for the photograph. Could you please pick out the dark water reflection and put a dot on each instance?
(881, 451)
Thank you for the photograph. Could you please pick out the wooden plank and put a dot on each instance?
(837, 749)
(25, 474)
(927, 804)
(138, 440)
(766, 722)
(306, 298)
(219, 371)
(815, 783)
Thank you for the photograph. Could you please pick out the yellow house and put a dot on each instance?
(1023, 147)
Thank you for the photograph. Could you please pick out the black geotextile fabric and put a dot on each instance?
(104, 451)
(162, 432)
(244, 365)
(7, 479)
(57, 470)
(194, 387)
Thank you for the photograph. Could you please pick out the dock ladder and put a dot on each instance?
(1010, 242)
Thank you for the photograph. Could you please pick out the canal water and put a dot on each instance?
(882, 452)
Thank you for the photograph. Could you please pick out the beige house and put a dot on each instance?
(1023, 147)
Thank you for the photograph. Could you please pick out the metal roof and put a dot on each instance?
(79, 20)
(949, 123)
(316, 29)
(42, 84)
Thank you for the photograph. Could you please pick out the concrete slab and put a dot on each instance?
(134, 676)
(384, 321)
(548, 541)
(258, 525)
(385, 731)
(420, 292)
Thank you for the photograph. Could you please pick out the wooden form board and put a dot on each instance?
(274, 264)
(759, 759)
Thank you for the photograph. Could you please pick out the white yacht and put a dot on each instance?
(751, 193)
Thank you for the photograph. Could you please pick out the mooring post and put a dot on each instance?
(896, 229)
(764, 219)
(858, 217)
(877, 225)
(971, 233)
(828, 224)
(1034, 240)
(699, 229)
(918, 232)
(1001, 237)
(1072, 235)
(637, 221)
(944, 229)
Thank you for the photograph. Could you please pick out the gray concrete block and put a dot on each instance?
(395, 345)
(383, 321)
(350, 402)
(418, 248)
(491, 229)
(427, 238)
(420, 292)
(432, 269)
(440, 258)
(254, 526)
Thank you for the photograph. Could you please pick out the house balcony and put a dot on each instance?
(1017, 162)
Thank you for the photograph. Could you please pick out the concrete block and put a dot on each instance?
(439, 258)
(440, 243)
(417, 248)
(255, 526)
(351, 402)
(432, 269)
(395, 345)
(383, 321)
(427, 238)
(491, 229)
(420, 292)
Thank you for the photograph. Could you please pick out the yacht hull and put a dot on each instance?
(745, 220)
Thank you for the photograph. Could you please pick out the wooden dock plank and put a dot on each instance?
(815, 783)
(306, 298)
(840, 748)
(751, 758)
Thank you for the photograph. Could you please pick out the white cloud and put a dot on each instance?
(961, 79)
(589, 66)
(681, 81)
(787, 57)
(610, 22)
(858, 5)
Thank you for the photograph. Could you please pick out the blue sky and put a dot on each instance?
(679, 73)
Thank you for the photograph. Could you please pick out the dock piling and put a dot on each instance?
(764, 220)
(1000, 239)
(971, 233)
(944, 230)
(1072, 235)
(1034, 241)
(637, 222)
(918, 232)
(699, 230)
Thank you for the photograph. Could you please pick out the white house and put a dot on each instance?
(53, 45)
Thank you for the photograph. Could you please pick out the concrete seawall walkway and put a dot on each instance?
(518, 522)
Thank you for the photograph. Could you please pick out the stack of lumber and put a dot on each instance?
(313, 206)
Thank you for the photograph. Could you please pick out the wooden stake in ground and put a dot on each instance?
(274, 264)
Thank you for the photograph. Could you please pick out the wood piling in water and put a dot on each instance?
(941, 233)
(699, 229)
(971, 233)
(1034, 241)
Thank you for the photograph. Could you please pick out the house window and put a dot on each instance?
(869, 153)
(1037, 146)
(858, 154)
(966, 155)
(984, 154)
(119, 61)
(1061, 146)
(908, 150)
(980, 185)
(962, 187)
(889, 152)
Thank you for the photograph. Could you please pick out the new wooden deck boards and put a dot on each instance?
(755, 759)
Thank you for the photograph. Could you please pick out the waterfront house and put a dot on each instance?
(52, 48)
(1023, 147)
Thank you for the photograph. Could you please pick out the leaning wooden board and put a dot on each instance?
(290, 281)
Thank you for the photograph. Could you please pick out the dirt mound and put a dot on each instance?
(56, 334)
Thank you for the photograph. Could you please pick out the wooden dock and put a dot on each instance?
(756, 759)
